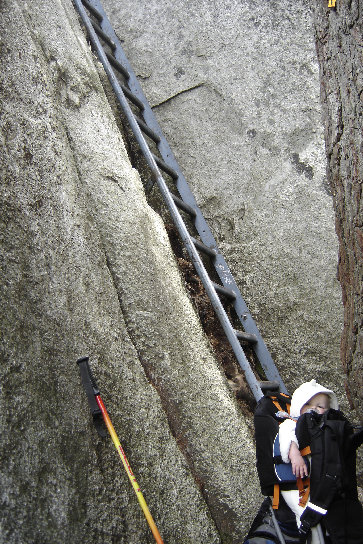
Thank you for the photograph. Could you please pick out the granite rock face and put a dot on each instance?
(87, 269)
(235, 86)
(339, 45)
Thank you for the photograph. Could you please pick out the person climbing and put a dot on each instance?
(314, 420)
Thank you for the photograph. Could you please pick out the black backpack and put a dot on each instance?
(266, 422)
(273, 527)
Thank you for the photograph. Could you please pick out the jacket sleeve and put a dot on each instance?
(286, 436)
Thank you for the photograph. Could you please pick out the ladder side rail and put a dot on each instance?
(250, 377)
(200, 223)
(164, 148)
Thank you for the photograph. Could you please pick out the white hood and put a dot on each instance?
(305, 392)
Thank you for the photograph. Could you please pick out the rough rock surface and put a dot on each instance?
(87, 269)
(235, 86)
(339, 45)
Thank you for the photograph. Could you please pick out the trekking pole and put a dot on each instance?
(320, 534)
(276, 524)
(93, 395)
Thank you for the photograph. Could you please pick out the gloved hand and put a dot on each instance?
(310, 517)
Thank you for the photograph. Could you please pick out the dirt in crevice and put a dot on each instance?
(212, 326)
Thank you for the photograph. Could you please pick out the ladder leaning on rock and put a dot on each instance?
(165, 171)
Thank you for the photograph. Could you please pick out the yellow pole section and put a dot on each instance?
(128, 469)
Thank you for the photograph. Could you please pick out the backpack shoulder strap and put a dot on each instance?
(281, 401)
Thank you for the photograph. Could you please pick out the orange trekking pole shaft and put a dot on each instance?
(99, 411)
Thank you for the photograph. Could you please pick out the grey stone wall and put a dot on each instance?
(235, 86)
(87, 270)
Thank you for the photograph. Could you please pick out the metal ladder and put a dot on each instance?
(162, 163)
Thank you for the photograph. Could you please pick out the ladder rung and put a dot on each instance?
(182, 205)
(147, 130)
(269, 386)
(246, 336)
(204, 249)
(132, 98)
(165, 167)
(117, 65)
(92, 10)
(104, 36)
(224, 291)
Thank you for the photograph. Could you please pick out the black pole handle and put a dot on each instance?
(91, 389)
